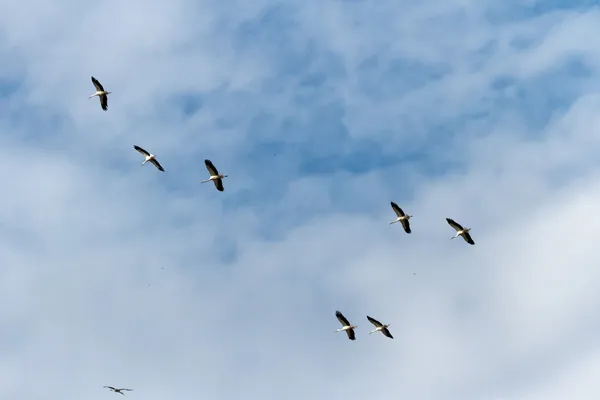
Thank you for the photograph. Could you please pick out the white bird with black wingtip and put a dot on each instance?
(215, 176)
(101, 93)
(118, 390)
(402, 217)
(346, 326)
(379, 327)
(149, 157)
(460, 231)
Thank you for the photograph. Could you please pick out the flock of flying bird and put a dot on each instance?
(217, 179)
(403, 218)
(215, 176)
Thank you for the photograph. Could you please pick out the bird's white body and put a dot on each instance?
(345, 328)
(402, 218)
(148, 158)
(462, 233)
(99, 93)
(379, 328)
(214, 178)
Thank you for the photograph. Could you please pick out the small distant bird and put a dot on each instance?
(214, 176)
(148, 157)
(402, 218)
(101, 93)
(379, 327)
(346, 326)
(460, 231)
(118, 390)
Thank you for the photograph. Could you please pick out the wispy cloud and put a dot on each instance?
(321, 113)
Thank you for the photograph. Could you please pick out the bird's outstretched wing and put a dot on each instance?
(142, 151)
(387, 333)
(350, 333)
(219, 184)
(406, 225)
(104, 102)
(97, 84)
(374, 321)
(342, 319)
(397, 209)
(157, 164)
(457, 227)
(211, 168)
(468, 238)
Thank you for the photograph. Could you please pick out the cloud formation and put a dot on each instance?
(321, 113)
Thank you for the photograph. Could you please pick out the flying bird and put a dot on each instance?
(379, 327)
(101, 93)
(402, 218)
(464, 232)
(345, 326)
(214, 176)
(149, 157)
(118, 390)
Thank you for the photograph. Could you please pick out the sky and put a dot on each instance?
(320, 113)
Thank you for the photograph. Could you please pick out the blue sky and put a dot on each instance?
(321, 113)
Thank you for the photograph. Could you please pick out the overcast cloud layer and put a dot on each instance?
(321, 113)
